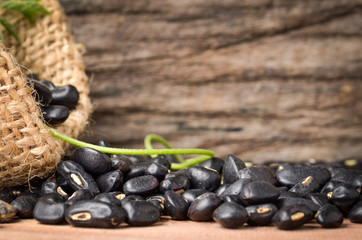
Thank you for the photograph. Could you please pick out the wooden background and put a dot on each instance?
(261, 79)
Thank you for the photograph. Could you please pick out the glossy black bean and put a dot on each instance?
(49, 84)
(318, 198)
(6, 195)
(291, 175)
(347, 176)
(79, 195)
(93, 161)
(330, 186)
(130, 198)
(158, 204)
(231, 168)
(230, 215)
(175, 182)
(355, 214)
(222, 188)
(191, 194)
(141, 213)
(213, 163)
(42, 92)
(157, 170)
(136, 170)
(63, 184)
(94, 213)
(287, 194)
(204, 178)
(357, 183)
(77, 177)
(138, 158)
(103, 143)
(258, 173)
(261, 214)
(121, 163)
(52, 187)
(143, 185)
(33, 76)
(283, 202)
(344, 197)
(329, 216)
(292, 217)
(67, 96)
(158, 197)
(24, 205)
(110, 181)
(109, 198)
(236, 187)
(49, 209)
(260, 192)
(7, 212)
(163, 160)
(235, 199)
(55, 114)
(308, 185)
(203, 207)
(176, 205)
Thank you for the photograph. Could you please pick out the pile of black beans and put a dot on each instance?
(93, 189)
(56, 101)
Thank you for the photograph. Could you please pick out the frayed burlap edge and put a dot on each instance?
(27, 149)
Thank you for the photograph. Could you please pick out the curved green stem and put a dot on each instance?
(175, 166)
(154, 137)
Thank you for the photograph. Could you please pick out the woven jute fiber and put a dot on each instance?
(27, 149)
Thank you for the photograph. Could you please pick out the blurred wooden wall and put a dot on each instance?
(262, 79)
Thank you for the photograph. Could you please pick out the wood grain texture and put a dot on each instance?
(261, 79)
(174, 230)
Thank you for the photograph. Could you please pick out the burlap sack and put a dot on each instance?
(27, 149)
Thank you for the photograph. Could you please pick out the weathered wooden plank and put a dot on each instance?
(261, 79)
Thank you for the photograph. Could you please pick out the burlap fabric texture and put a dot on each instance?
(27, 149)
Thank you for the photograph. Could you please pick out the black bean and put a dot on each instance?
(49, 84)
(176, 205)
(157, 170)
(258, 173)
(7, 212)
(261, 214)
(357, 183)
(42, 93)
(287, 194)
(213, 163)
(260, 192)
(24, 205)
(121, 163)
(125, 199)
(110, 181)
(33, 76)
(347, 176)
(230, 215)
(344, 197)
(142, 185)
(163, 160)
(109, 198)
(191, 194)
(79, 195)
(235, 199)
(330, 186)
(283, 202)
(231, 168)
(222, 188)
(136, 170)
(175, 182)
(93, 161)
(158, 204)
(67, 96)
(292, 216)
(355, 214)
(77, 177)
(204, 178)
(94, 213)
(236, 187)
(203, 207)
(138, 158)
(318, 198)
(141, 213)
(52, 187)
(55, 114)
(103, 143)
(49, 209)
(6, 195)
(329, 216)
(308, 185)
(291, 175)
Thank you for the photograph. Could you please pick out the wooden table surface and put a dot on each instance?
(168, 229)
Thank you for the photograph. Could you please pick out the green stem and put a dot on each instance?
(154, 137)
(174, 166)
